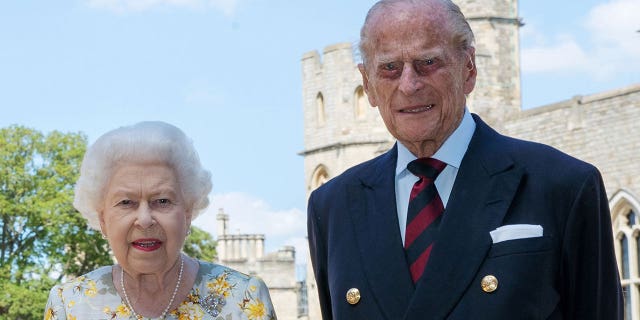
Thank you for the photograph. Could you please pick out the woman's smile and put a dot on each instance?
(147, 244)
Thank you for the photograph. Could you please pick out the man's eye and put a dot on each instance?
(424, 67)
(390, 66)
(391, 69)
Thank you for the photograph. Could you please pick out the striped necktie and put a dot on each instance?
(424, 214)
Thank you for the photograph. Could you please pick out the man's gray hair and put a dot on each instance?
(462, 33)
(150, 142)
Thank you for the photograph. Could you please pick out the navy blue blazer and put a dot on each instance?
(568, 273)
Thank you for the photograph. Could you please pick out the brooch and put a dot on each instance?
(212, 304)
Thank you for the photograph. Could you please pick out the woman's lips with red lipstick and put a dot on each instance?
(147, 244)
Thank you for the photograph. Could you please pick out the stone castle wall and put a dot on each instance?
(602, 129)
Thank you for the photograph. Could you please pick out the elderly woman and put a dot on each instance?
(141, 186)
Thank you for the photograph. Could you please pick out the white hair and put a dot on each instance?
(141, 143)
(461, 32)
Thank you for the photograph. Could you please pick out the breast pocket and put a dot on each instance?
(524, 271)
(520, 246)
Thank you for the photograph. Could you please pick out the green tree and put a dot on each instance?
(41, 234)
(200, 245)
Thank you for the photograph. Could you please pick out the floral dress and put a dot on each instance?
(219, 293)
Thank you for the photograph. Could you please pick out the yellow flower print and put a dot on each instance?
(123, 311)
(50, 314)
(91, 291)
(220, 285)
(71, 317)
(190, 311)
(71, 304)
(195, 298)
(253, 288)
(255, 310)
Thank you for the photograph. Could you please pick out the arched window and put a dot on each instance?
(361, 103)
(624, 215)
(320, 109)
(319, 177)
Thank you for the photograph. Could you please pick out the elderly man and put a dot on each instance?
(455, 221)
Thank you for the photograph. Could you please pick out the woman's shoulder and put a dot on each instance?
(91, 296)
(210, 270)
(224, 280)
(88, 282)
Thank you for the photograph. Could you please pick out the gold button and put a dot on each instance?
(489, 284)
(353, 296)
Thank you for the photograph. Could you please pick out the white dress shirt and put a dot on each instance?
(451, 153)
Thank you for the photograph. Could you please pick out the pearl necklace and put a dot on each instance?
(164, 313)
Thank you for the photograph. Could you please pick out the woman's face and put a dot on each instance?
(144, 217)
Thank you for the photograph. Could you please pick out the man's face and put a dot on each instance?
(416, 76)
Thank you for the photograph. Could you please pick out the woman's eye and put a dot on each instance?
(163, 203)
(125, 203)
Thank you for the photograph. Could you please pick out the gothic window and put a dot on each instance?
(624, 247)
(624, 212)
(320, 109)
(361, 103)
(630, 277)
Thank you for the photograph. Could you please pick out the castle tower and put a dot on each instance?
(341, 129)
(223, 224)
(495, 23)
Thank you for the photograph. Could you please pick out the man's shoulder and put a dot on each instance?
(526, 152)
(357, 173)
(535, 153)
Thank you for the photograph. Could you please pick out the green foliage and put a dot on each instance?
(200, 245)
(25, 301)
(41, 234)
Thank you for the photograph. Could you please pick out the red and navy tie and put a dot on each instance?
(424, 214)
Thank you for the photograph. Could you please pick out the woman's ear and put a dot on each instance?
(102, 225)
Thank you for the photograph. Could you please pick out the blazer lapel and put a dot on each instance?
(484, 188)
(375, 222)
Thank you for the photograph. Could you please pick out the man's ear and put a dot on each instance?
(365, 85)
(470, 63)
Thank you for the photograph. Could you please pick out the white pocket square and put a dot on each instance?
(516, 231)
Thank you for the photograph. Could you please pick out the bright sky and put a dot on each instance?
(228, 73)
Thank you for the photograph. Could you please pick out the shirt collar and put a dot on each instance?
(451, 151)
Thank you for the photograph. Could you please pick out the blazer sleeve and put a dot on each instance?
(318, 253)
(590, 280)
